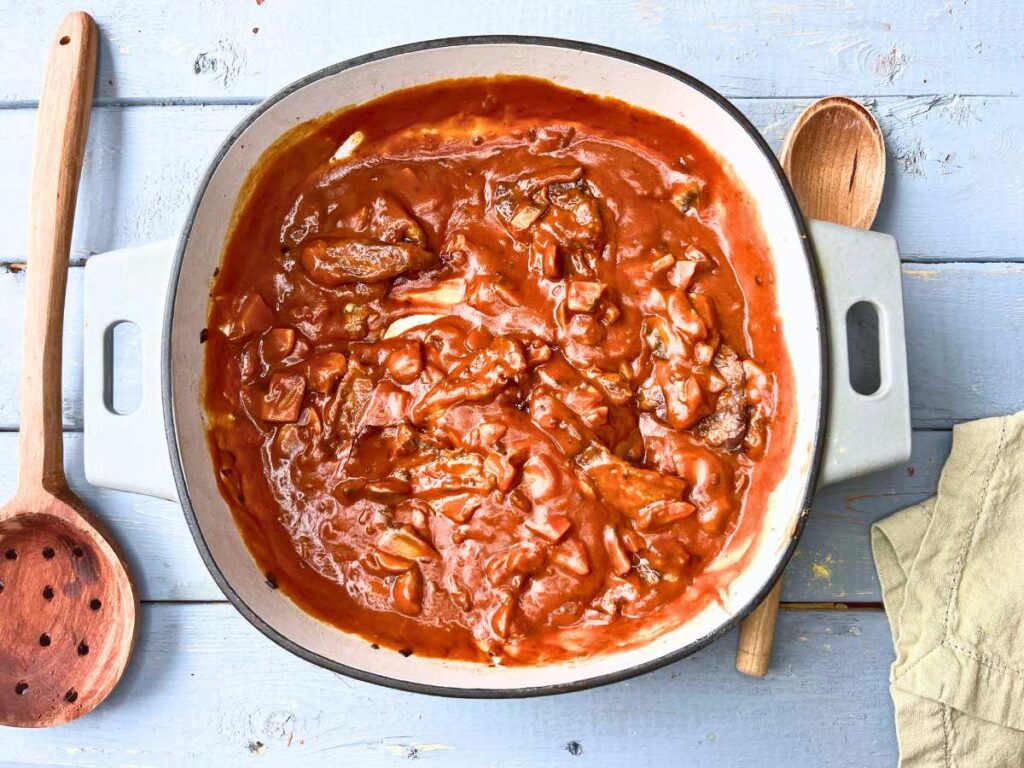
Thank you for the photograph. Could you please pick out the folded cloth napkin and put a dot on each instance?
(952, 574)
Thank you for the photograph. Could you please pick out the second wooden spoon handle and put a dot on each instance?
(757, 635)
(61, 129)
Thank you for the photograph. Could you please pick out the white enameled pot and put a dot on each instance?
(821, 271)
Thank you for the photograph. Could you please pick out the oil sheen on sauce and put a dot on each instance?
(493, 370)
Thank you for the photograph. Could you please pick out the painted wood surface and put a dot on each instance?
(947, 155)
(206, 689)
(943, 77)
(965, 337)
(232, 50)
(832, 564)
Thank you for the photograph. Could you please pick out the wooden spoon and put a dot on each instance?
(834, 157)
(835, 160)
(67, 602)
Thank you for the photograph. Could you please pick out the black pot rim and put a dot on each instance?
(486, 693)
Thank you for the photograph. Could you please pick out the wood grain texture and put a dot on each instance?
(744, 48)
(205, 688)
(831, 564)
(757, 635)
(158, 545)
(834, 156)
(946, 154)
(957, 372)
(62, 127)
(68, 619)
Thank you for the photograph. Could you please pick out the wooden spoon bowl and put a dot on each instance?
(834, 157)
(67, 603)
(68, 619)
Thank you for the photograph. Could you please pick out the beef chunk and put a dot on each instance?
(727, 426)
(339, 260)
(481, 375)
(624, 487)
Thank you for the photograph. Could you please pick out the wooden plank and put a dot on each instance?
(833, 561)
(137, 180)
(12, 318)
(762, 48)
(160, 550)
(205, 688)
(953, 165)
(832, 564)
(965, 341)
(964, 338)
(946, 155)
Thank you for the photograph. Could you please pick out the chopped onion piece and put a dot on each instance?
(348, 147)
(407, 323)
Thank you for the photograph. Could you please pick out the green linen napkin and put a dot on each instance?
(952, 575)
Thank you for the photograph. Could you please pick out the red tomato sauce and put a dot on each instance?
(492, 367)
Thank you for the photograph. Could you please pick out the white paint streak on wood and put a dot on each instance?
(956, 164)
(206, 688)
(809, 49)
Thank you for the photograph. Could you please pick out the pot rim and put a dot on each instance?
(170, 423)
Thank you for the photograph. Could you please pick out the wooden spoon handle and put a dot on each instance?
(62, 125)
(757, 635)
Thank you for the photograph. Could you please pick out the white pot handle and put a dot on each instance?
(865, 433)
(127, 452)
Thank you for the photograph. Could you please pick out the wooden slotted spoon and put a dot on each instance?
(67, 602)
(835, 160)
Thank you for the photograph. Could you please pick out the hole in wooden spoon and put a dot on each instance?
(44, 640)
(65, 40)
(48, 592)
(77, 552)
(11, 554)
(21, 688)
(71, 696)
(95, 604)
(83, 649)
(48, 553)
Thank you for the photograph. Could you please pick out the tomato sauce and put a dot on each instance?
(492, 367)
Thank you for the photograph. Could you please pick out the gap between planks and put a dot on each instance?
(251, 101)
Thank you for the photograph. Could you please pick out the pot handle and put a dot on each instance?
(866, 433)
(126, 452)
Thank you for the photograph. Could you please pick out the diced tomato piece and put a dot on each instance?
(284, 398)
(387, 406)
(551, 528)
(544, 255)
(324, 369)
(661, 514)
(253, 316)
(277, 344)
(583, 295)
(501, 469)
(685, 317)
(571, 555)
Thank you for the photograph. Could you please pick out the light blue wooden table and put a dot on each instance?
(204, 688)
